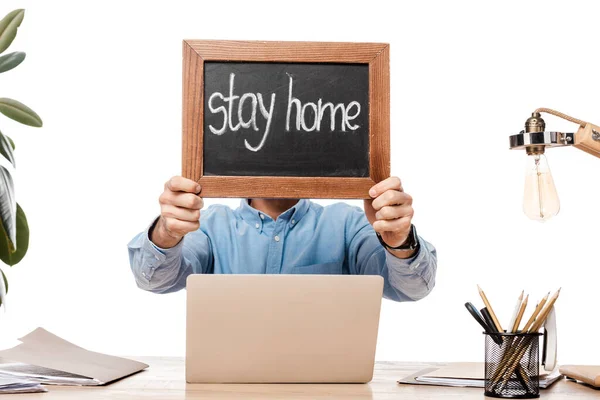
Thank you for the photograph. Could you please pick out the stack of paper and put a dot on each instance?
(465, 374)
(10, 384)
(46, 358)
(43, 375)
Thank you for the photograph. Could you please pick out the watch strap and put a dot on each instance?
(411, 242)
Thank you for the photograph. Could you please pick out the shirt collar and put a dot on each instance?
(293, 215)
(300, 210)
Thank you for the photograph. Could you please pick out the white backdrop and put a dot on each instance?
(106, 78)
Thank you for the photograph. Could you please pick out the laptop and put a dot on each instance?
(282, 328)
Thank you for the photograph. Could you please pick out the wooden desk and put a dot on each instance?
(165, 380)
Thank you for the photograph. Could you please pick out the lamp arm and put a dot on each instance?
(587, 137)
(561, 115)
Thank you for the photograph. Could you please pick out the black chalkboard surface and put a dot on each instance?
(284, 119)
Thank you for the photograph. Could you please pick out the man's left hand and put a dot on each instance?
(390, 212)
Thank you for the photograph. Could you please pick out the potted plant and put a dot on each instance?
(14, 231)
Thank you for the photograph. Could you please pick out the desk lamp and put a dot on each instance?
(540, 201)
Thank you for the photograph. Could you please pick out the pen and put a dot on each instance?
(480, 319)
(488, 319)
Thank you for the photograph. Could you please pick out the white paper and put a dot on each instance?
(47, 358)
(11, 384)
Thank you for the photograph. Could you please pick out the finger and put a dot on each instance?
(394, 212)
(390, 198)
(183, 214)
(180, 228)
(395, 225)
(391, 183)
(179, 199)
(181, 184)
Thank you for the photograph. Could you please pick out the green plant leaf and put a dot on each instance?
(8, 207)
(19, 112)
(12, 258)
(3, 286)
(6, 148)
(8, 202)
(11, 60)
(8, 28)
(12, 144)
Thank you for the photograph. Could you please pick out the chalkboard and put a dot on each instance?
(285, 119)
(275, 119)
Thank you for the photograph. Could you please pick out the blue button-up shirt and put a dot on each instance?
(306, 239)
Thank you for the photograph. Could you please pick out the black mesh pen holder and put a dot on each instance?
(512, 365)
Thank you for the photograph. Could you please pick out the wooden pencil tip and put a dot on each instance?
(478, 288)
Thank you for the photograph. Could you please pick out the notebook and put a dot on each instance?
(464, 374)
(588, 374)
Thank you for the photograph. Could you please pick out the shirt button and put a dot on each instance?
(144, 274)
(293, 221)
(262, 216)
(157, 257)
(257, 226)
(276, 238)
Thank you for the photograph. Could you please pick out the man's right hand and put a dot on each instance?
(180, 205)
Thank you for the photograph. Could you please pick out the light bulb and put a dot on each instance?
(540, 201)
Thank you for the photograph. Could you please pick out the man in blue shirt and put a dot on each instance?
(284, 236)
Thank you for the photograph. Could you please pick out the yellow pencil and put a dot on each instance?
(536, 312)
(544, 313)
(507, 367)
(489, 307)
(513, 362)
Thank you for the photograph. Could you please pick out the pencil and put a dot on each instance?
(510, 354)
(544, 313)
(515, 327)
(490, 309)
(516, 310)
(513, 362)
(536, 312)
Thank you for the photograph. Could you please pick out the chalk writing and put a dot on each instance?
(307, 117)
(228, 113)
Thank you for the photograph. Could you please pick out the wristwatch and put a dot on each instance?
(411, 242)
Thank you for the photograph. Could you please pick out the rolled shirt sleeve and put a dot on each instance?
(161, 270)
(404, 279)
(415, 276)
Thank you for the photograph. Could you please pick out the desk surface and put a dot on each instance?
(165, 380)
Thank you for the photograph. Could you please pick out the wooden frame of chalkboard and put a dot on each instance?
(197, 54)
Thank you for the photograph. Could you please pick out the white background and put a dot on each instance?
(106, 78)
